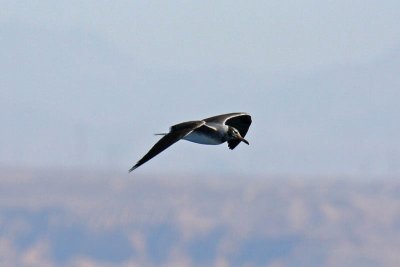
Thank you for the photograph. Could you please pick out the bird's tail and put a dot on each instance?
(160, 134)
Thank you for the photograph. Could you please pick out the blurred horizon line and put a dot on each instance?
(8, 169)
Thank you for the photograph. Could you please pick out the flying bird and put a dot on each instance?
(231, 128)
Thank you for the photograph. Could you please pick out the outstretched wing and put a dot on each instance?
(177, 132)
(224, 117)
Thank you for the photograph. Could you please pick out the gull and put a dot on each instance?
(231, 128)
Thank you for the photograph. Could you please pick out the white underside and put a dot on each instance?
(202, 139)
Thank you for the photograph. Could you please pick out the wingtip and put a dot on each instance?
(131, 169)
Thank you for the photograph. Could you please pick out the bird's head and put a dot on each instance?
(233, 134)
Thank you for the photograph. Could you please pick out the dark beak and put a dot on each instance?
(243, 140)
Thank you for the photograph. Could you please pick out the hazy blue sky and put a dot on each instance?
(256, 35)
(86, 83)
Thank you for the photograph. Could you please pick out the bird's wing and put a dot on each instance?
(176, 133)
(224, 117)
